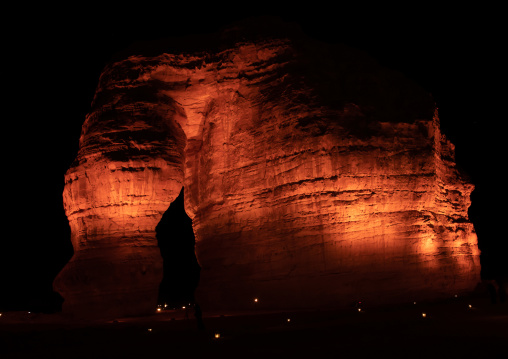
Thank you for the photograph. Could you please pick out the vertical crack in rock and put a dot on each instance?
(175, 237)
(312, 176)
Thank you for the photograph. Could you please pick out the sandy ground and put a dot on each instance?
(450, 329)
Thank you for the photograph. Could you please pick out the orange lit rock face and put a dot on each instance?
(313, 178)
(128, 170)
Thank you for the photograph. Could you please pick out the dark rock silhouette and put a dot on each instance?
(175, 237)
(487, 217)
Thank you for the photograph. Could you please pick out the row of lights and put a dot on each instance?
(28, 313)
(424, 315)
(160, 309)
(288, 320)
(256, 300)
(218, 335)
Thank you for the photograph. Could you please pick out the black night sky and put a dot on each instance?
(53, 58)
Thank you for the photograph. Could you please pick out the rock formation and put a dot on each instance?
(313, 177)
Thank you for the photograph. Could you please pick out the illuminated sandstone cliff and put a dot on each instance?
(313, 176)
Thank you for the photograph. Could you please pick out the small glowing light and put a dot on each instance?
(165, 305)
(470, 306)
(255, 300)
(183, 307)
(359, 309)
(455, 295)
(0, 314)
(424, 315)
(289, 319)
(149, 329)
(414, 302)
(159, 309)
(217, 335)
(29, 312)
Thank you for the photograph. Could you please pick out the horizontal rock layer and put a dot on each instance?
(313, 176)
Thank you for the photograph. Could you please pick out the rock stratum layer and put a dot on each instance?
(313, 176)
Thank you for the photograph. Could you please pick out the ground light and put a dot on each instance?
(217, 335)
(424, 315)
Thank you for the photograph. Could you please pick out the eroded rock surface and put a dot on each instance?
(313, 177)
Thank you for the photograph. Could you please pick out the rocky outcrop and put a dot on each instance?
(313, 177)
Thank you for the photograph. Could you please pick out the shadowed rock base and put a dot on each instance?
(121, 282)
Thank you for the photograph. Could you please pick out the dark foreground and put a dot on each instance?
(450, 329)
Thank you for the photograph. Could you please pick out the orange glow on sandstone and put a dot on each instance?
(309, 183)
